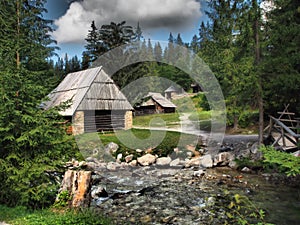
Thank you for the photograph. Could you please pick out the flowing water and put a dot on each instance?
(151, 195)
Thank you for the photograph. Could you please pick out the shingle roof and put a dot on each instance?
(161, 100)
(171, 89)
(90, 89)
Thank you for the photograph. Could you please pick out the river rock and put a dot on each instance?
(111, 147)
(199, 173)
(223, 158)
(206, 161)
(133, 163)
(139, 150)
(119, 157)
(146, 160)
(254, 148)
(129, 158)
(245, 153)
(163, 161)
(112, 165)
(193, 162)
(233, 164)
(246, 170)
(98, 191)
(175, 162)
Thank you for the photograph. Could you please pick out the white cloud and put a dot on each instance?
(172, 15)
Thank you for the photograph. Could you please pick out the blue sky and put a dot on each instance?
(157, 18)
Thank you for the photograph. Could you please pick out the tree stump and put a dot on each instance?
(75, 191)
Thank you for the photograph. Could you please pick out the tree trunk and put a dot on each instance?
(256, 26)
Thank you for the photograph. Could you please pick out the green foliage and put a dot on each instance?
(241, 210)
(286, 162)
(33, 143)
(246, 118)
(22, 216)
(63, 199)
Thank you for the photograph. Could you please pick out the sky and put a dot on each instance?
(157, 18)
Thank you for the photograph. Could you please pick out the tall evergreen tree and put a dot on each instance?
(158, 52)
(282, 56)
(93, 46)
(138, 32)
(32, 143)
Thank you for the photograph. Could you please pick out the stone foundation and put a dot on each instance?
(128, 120)
(78, 123)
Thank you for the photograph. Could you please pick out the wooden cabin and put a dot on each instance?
(155, 103)
(96, 103)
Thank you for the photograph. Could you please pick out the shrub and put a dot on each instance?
(287, 163)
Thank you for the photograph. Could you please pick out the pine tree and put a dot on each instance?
(138, 32)
(32, 142)
(158, 52)
(282, 53)
(93, 47)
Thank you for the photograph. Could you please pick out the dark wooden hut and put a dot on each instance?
(96, 102)
(155, 103)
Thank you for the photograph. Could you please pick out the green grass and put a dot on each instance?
(22, 216)
(200, 115)
(156, 120)
(161, 143)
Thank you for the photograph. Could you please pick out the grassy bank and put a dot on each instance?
(157, 120)
(22, 216)
(157, 142)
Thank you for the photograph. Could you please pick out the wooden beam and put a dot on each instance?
(288, 130)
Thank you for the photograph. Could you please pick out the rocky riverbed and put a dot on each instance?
(198, 189)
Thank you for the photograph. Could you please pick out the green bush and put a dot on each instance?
(286, 162)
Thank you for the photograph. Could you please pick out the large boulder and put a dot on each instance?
(163, 161)
(146, 160)
(206, 161)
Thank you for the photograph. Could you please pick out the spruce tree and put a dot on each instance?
(33, 143)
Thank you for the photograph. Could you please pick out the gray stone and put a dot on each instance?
(223, 158)
(163, 161)
(199, 173)
(254, 148)
(246, 170)
(139, 150)
(243, 154)
(111, 166)
(91, 159)
(98, 191)
(233, 164)
(111, 147)
(146, 160)
(133, 163)
(206, 161)
(297, 153)
(175, 162)
(193, 162)
(119, 157)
